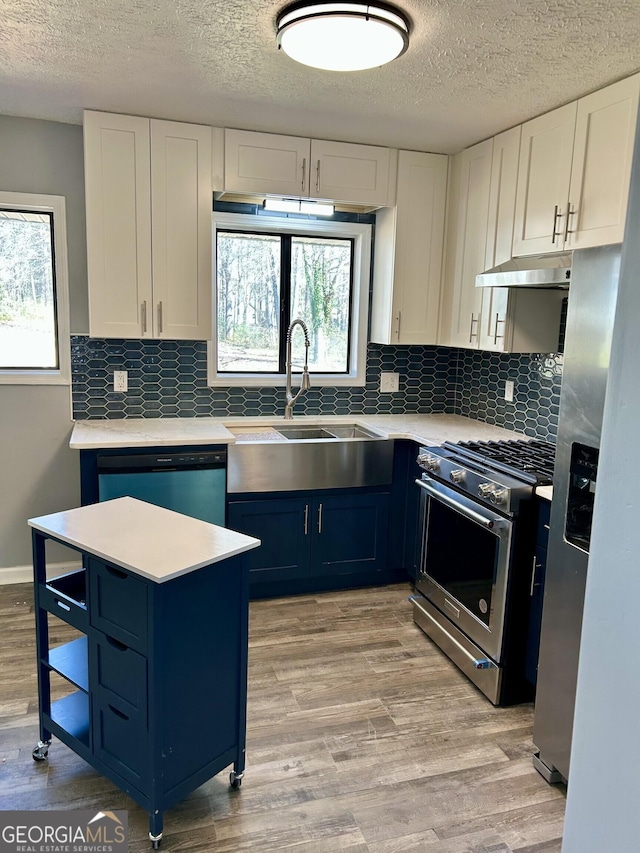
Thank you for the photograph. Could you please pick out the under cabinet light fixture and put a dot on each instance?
(293, 205)
(349, 36)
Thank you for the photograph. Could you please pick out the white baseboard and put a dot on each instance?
(24, 574)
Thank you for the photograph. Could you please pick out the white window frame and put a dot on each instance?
(54, 204)
(361, 235)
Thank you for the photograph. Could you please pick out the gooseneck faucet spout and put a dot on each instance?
(306, 382)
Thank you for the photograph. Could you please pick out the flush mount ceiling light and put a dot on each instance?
(342, 36)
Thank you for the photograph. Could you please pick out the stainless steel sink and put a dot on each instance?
(311, 456)
(302, 432)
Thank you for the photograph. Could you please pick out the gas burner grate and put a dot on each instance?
(534, 458)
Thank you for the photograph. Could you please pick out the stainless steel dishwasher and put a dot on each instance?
(193, 483)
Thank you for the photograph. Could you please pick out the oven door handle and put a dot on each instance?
(491, 523)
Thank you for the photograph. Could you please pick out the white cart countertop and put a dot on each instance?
(163, 432)
(545, 492)
(150, 541)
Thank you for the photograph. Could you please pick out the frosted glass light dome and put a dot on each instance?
(342, 36)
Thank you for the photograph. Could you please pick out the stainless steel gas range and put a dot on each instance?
(478, 521)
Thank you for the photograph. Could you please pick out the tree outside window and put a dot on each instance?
(264, 281)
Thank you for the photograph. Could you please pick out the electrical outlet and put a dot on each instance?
(509, 386)
(120, 381)
(389, 383)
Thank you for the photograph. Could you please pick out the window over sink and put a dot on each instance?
(34, 325)
(272, 270)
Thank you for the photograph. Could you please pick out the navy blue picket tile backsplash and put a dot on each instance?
(169, 379)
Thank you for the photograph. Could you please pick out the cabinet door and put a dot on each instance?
(502, 197)
(471, 185)
(118, 201)
(266, 163)
(409, 247)
(181, 230)
(493, 319)
(342, 171)
(546, 151)
(284, 528)
(601, 171)
(349, 534)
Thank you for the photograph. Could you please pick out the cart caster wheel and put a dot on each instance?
(155, 844)
(235, 779)
(41, 751)
(155, 841)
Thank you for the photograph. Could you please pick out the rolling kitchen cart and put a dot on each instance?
(157, 678)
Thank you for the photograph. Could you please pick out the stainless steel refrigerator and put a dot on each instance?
(590, 318)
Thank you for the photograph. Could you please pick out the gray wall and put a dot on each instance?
(604, 789)
(38, 472)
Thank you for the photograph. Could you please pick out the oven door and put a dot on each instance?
(464, 562)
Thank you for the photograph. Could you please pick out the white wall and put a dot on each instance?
(38, 472)
(604, 789)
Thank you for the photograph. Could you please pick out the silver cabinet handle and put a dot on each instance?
(399, 324)
(567, 230)
(306, 519)
(496, 335)
(533, 577)
(159, 316)
(557, 214)
(318, 177)
(143, 312)
(472, 335)
(304, 172)
(320, 519)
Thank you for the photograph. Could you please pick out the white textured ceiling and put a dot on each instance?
(473, 68)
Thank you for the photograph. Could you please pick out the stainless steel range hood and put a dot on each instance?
(543, 271)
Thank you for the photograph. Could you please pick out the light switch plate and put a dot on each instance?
(120, 381)
(389, 383)
(509, 386)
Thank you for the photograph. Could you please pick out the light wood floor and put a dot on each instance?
(362, 738)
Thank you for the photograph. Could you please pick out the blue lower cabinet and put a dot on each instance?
(309, 537)
(350, 535)
(537, 594)
(283, 528)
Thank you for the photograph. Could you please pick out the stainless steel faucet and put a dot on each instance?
(306, 383)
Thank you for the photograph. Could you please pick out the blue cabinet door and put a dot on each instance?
(283, 526)
(350, 534)
(537, 594)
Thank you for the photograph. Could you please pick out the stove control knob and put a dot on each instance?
(485, 490)
(429, 462)
(457, 476)
(498, 497)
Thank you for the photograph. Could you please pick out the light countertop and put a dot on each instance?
(545, 492)
(429, 430)
(151, 541)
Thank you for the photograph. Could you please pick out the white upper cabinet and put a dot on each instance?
(470, 186)
(408, 253)
(269, 164)
(575, 166)
(343, 171)
(148, 198)
(117, 163)
(601, 170)
(502, 197)
(266, 163)
(181, 209)
(543, 182)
